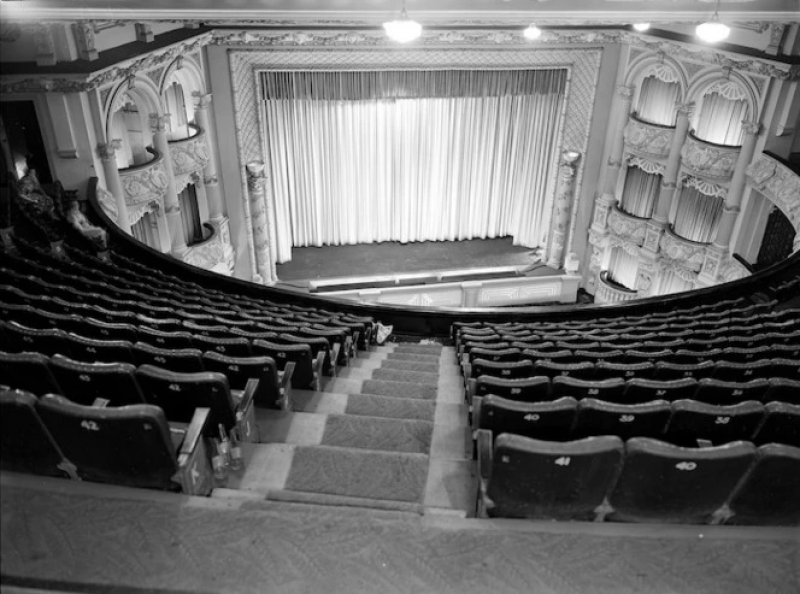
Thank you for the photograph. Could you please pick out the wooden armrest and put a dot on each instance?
(484, 454)
(285, 376)
(319, 361)
(100, 403)
(193, 433)
(354, 343)
(248, 394)
(335, 357)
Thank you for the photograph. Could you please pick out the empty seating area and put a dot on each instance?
(672, 416)
(108, 365)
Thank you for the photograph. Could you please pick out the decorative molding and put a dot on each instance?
(779, 184)
(84, 34)
(646, 165)
(642, 138)
(144, 183)
(138, 210)
(706, 187)
(688, 253)
(730, 89)
(189, 155)
(709, 160)
(731, 270)
(628, 246)
(108, 203)
(678, 268)
(663, 72)
(562, 207)
(629, 228)
(207, 255)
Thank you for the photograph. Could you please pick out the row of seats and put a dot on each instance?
(636, 390)
(604, 478)
(132, 445)
(683, 422)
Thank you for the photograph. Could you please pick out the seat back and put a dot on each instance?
(504, 354)
(638, 390)
(166, 340)
(504, 369)
(282, 354)
(769, 493)
(608, 369)
(661, 482)
(552, 369)
(737, 371)
(531, 389)
(550, 421)
(109, 331)
(128, 446)
(692, 420)
(27, 371)
(781, 425)
(598, 417)
(21, 339)
(182, 360)
(84, 382)
(230, 347)
(90, 350)
(667, 370)
(240, 369)
(714, 391)
(609, 389)
(25, 443)
(179, 394)
(551, 480)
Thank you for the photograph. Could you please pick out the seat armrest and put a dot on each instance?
(285, 387)
(319, 361)
(194, 431)
(248, 395)
(245, 412)
(353, 346)
(472, 387)
(484, 454)
(335, 349)
(194, 465)
(475, 413)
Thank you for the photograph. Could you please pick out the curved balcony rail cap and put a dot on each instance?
(689, 253)
(609, 292)
(194, 131)
(709, 160)
(643, 138)
(779, 184)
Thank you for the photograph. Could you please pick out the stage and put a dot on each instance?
(473, 273)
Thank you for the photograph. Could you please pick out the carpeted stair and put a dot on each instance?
(388, 432)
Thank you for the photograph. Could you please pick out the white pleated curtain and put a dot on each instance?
(622, 268)
(364, 157)
(697, 215)
(657, 101)
(672, 283)
(639, 192)
(721, 120)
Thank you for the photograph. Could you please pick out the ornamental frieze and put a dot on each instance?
(207, 254)
(647, 139)
(779, 184)
(709, 160)
(687, 253)
(144, 183)
(626, 226)
(189, 155)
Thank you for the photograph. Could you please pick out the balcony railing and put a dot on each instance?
(689, 253)
(626, 225)
(145, 182)
(610, 292)
(189, 154)
(644, 138)
(706, 159)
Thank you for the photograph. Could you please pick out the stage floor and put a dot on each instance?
(374, 259)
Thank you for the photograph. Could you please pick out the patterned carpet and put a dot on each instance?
(110, 543)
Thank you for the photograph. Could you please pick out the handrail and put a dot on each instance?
(157, 156)
(636, 117)
(198, 131)
(437, 321)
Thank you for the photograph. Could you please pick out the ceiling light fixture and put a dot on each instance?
(713, 31)
(641, 26)
(403, 29)
(532, 32)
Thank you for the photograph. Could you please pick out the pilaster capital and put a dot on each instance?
(255, 174)
(107, 150)
(625, 92)
(685, 109)
(159, 123)
(210, 180)
(751, 128)
(201, 100)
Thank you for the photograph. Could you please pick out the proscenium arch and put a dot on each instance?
(642, 65)
(144, 93)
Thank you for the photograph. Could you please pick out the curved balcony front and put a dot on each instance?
(146, 182)
(709, 160)
(191, 154)
(689, 253)
(646, 139)
(626, 225)
(610, 292)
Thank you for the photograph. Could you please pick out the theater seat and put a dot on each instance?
(597, 417)
(230, 347)
(21, 339)
(666, 483)
(25, 443)
(90, 350)
(738, 371)
(638, 390)
(274, 387)
(609, 389)
(692, 421)
(529, 478)
(318, 344)
(131, 446)
(552, 369)
(714, 391)
(550, 421)
(607, 369)
(504, 369)
(667, 370)
(29, 372)
(769, 493)
(781, 425)
(84, 383)
(308, 369)
(166, 340)
(183, 360)
(531, 389)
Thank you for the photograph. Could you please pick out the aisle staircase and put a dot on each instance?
(389, 432)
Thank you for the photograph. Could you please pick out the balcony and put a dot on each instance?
(610, 292)
(144, 183)
(209, 254)
(190, 154)
(646, 139)
(689, 253)
(709, 160)
(627, 226)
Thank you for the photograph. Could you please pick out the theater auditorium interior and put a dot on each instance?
(400, 296)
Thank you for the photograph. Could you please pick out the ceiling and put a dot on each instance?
(431, 12)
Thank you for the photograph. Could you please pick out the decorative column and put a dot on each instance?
(172, 206)
(562, 207)
(201, 118)
(623, 110)
(258, 218)
(108, 158)
(670, 179)
(200, 192)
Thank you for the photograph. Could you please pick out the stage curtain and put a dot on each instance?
(639, 192)
(720, 120)
(190, 216)
(697, 215)
(622, 268)
(363, 157)
(657, 101)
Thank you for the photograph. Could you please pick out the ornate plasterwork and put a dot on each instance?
(208, 254)
(678, 268)
(297, 52)
(778, 184)
(138, 210)
(687, 253)
(645, 165)
(731, 270)
(189, 155)
(629, 247)
(108, 203)
(663, 72)
(642, 138)
(144, 184)
(704, 186)
(709, 160)
(729, 89)
(626, 226)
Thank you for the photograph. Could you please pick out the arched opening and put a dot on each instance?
(129, 125)
(721, 115)
(639, 192)
(697, 214)
(622, 267)
(657, 100)
(180, 114)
